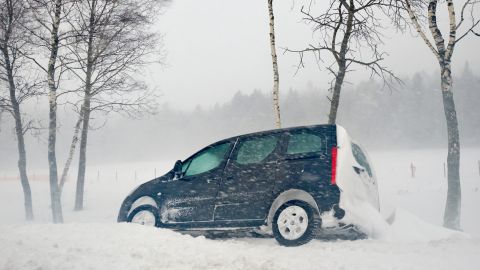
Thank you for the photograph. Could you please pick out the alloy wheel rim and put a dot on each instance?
(144, 217)
(292, 222)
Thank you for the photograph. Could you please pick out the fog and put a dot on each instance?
(216, 48)
(217, 78)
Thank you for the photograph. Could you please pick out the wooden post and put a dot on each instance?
(155, 173)
(413, 169)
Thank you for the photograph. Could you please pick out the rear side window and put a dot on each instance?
(361, 158)
(256, 150)
(306, 143)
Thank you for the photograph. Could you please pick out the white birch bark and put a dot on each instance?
(276, 77)
(71, 152)
(444, 54)
(52, 126)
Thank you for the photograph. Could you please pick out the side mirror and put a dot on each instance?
(177, 169)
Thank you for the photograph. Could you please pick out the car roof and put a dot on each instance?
(278, 130)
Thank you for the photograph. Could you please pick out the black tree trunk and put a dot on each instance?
(340, 76)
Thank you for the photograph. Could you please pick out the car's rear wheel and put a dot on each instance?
(295, 223)
(145, 215)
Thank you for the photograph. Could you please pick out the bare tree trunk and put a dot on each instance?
(340, 76)
(73, 145)
(276, 77)
(116, 40)
(452, 213)
(82, 162)
(341, 62)
(22, 156)
(52, 125)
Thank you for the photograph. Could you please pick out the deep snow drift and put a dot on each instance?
(92, 240)
(127, 246)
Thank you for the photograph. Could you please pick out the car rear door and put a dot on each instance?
(306, 163)
(246, 189)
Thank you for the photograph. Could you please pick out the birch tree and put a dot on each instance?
(48, 37)
(421, 12)
(348, 31)
(111, 42)
(276, 77)
(12, 41)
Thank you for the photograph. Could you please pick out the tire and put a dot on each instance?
(145, 215)
(295, 223)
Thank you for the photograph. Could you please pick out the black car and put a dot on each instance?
(281, 180)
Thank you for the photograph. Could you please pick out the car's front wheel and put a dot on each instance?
(295, 223)
(145, 215)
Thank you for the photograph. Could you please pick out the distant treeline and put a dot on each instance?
(410, 116)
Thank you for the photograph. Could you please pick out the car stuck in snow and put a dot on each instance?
(284, 181)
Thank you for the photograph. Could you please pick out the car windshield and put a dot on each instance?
(361, 158)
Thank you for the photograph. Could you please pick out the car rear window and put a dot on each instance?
(305, 143)
(361, 158)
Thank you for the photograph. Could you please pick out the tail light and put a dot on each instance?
(334, 165)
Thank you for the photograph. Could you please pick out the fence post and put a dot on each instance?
(413, 169)
(155, 174)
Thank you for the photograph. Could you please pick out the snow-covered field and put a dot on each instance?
(91, 239)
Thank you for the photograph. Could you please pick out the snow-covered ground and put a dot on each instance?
(91, 239)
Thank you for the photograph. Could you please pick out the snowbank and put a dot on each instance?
(406, 227)
(400, 226)
(130, 246)
(408, 242)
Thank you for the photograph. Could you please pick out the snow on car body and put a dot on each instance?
(284, 180)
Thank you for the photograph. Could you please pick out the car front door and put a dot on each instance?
(246, 189)
(191, 198)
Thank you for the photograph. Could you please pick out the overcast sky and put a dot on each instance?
(216, 47)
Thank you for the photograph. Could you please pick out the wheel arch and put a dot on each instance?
(144, 200)
(290, 195)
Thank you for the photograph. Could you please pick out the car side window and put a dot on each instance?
(206, 160)
(306, 143)
(256, 150)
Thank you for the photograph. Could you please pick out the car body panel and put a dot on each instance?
(246, 195)
(246, 190)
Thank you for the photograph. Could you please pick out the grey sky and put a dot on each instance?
(216, 47)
